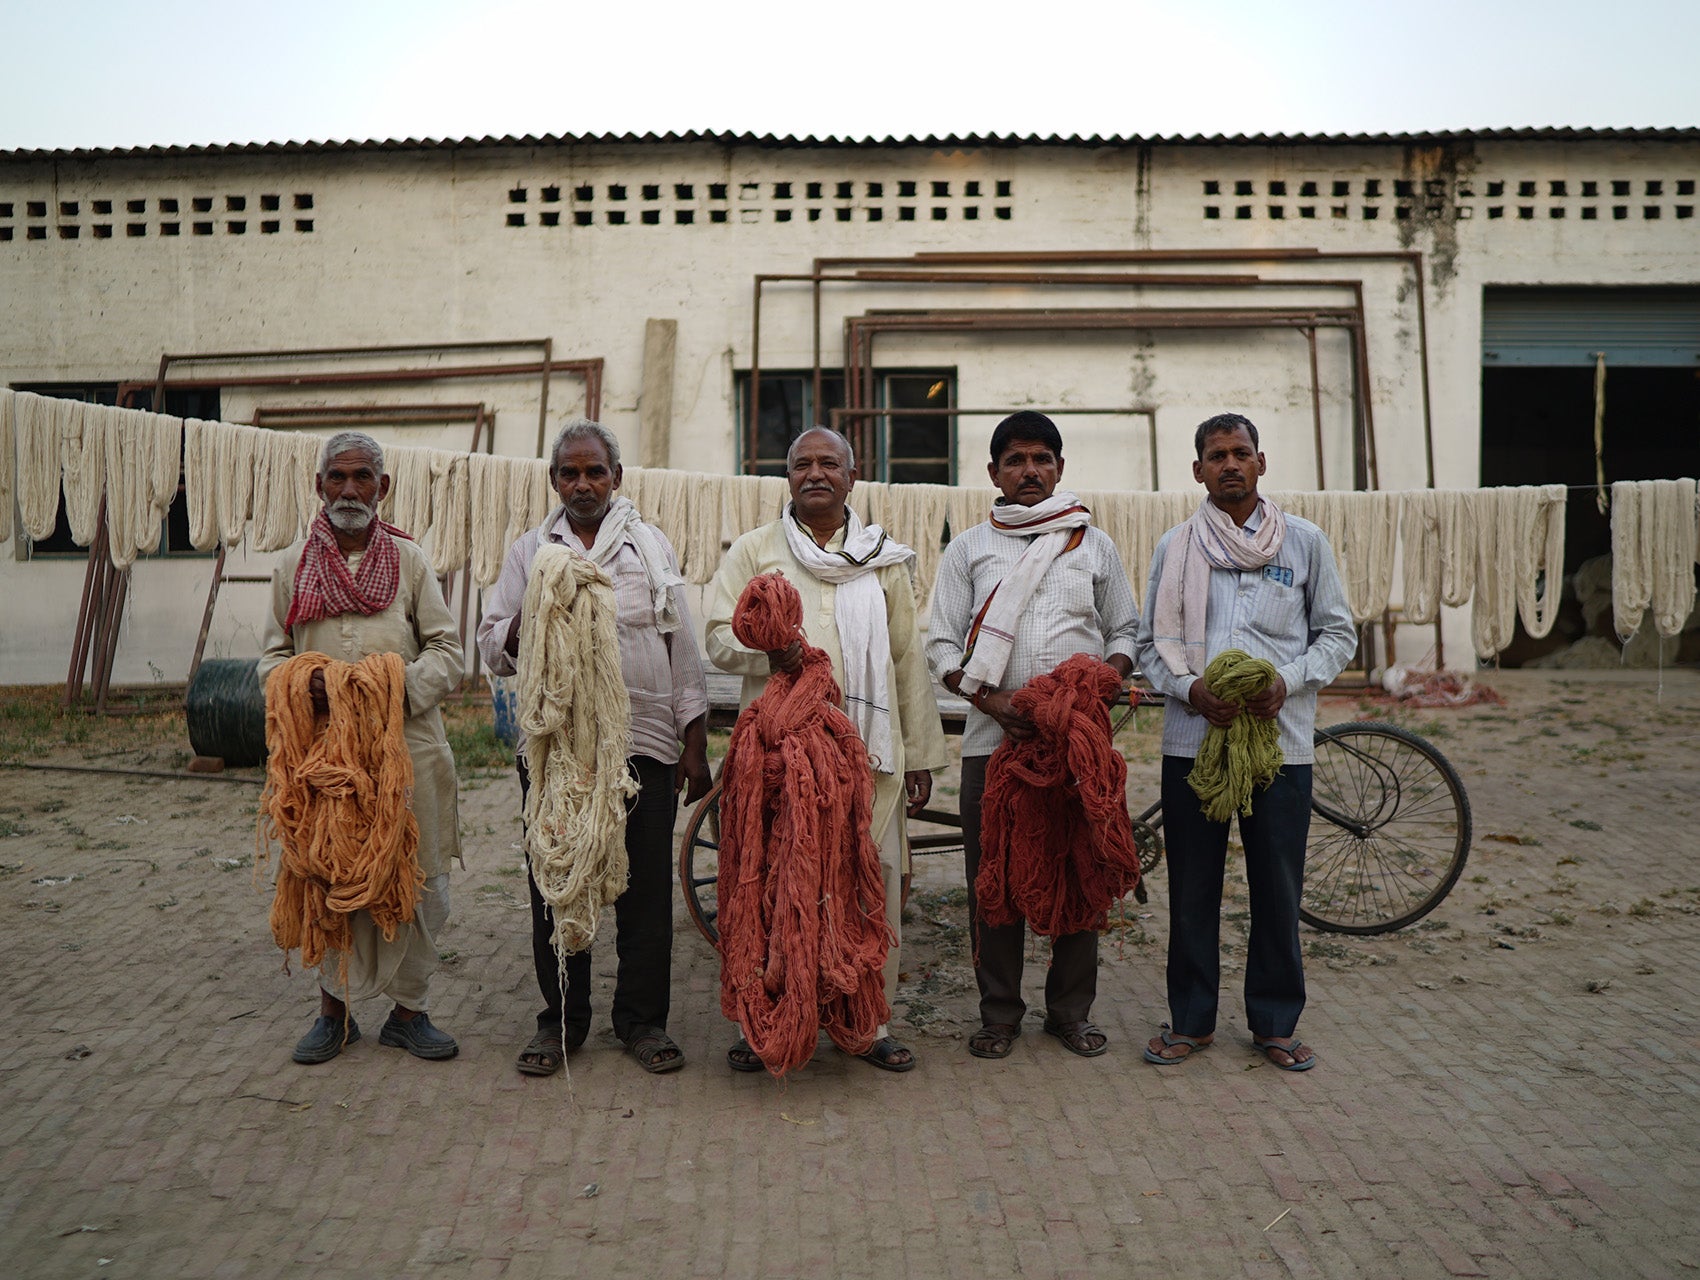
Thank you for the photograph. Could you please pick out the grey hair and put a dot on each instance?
(849, 451)
(580, 429)
(352, 442)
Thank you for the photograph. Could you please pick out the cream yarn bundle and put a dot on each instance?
(576, 716)
(1653, 551)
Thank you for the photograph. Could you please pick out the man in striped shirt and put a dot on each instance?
(1240, 574)
(1061, 590)
(669, 739)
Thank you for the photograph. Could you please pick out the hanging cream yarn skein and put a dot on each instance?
(576, 715)
(8, 434)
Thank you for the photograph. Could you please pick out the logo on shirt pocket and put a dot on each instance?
(1278, 573)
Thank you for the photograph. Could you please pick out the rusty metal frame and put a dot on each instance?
(818, 277)
(838, 415)
(949, 268)
(860, 332)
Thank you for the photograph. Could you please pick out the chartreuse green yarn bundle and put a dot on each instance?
(1233, 762)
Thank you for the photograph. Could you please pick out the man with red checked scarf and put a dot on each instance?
(353, 587)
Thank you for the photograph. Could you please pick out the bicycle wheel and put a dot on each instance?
(699, 865)
(1389, 833)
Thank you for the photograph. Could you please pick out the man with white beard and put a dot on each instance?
(353, 587)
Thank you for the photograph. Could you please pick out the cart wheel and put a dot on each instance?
(699, 865)
(1389, 833)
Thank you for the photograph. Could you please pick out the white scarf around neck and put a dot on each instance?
(863, 639)
(1057, 521)
(622, 522)
(1208, 540)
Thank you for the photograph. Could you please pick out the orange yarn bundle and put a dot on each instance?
(338, 799)
(803, 937)
(1056, 843)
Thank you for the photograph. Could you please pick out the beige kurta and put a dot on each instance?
(917, 733)
(417, 625)
(916, 729)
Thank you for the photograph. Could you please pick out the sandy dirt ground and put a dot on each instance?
(1509, 1088)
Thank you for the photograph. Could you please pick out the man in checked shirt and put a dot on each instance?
(1239, 574)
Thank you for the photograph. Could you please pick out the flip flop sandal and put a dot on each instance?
(883, 1050)
(1174, 1040)
(651, 1049)
(1290, 1048)
(994, 1040)
(1073, 1036)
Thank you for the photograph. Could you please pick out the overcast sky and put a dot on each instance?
(106, 73)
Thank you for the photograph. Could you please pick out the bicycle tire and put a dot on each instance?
(1389, 833)
(699, 865)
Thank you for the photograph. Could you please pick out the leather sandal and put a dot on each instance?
(1077, 1037)
(656, 1053)
(543, 1056)
(994, 1040)
(740, 1057)
(882, 1052)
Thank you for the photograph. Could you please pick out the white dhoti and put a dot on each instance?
(400, 968)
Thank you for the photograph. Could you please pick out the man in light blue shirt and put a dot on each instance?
(1265, 583)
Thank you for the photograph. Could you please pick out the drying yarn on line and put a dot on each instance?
(1438, 541)
(576, 716)
(37, 426)
(1235, 761)
(1519, 538)
(1056, 844)
(338, 798)
(803, 936)
(1653, 551)
(143, 453)
(8, 452)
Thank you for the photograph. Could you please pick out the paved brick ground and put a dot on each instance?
(1512, 1090)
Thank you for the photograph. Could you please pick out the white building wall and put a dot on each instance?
(416, 246)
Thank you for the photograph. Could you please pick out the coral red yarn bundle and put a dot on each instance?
(1056, 844)
(803, 937)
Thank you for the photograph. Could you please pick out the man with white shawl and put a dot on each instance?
(858, 593)
(669, 706)
(1033, 585)
(1239, 574)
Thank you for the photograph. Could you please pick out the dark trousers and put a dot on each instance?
(1071, 983)
(643, 918)
(1274, 838)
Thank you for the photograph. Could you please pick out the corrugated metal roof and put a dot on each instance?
(931, 141)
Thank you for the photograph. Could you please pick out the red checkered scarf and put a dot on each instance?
(324, 587)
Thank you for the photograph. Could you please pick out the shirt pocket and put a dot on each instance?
(1279, 615)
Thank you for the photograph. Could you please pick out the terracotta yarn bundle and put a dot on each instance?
(803, 937)
(338, 799)
(1056, 844)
